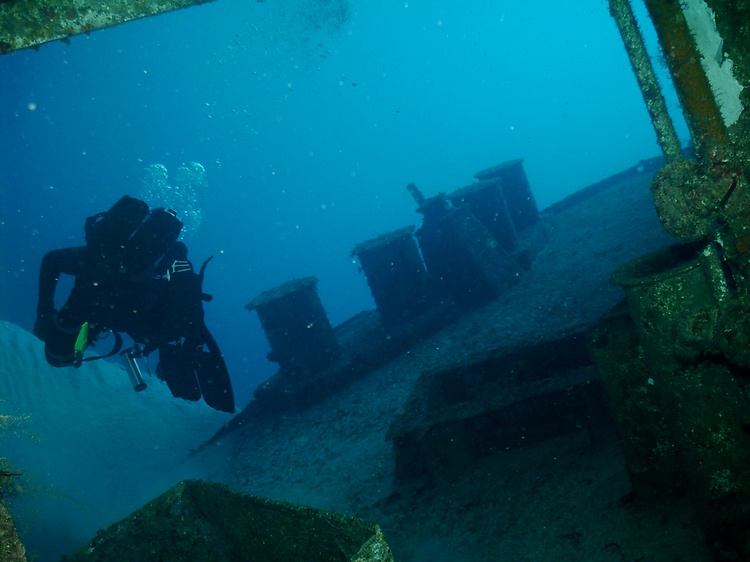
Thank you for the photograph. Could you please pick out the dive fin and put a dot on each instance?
(214, 381)
(176, 369)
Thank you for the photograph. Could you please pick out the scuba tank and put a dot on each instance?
(123, 244)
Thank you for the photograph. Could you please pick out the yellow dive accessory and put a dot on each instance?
(81, 342)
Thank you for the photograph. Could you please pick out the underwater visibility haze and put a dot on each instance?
(284, 133)
(309, 118)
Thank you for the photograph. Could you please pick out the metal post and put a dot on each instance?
(295, 322)
(693, 88)
(666, 136)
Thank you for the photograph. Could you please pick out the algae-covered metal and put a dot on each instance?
(297, 327)
(644, 71)
(693, 88)
(205, 521)
(396, 275)
(675, 368)
(27, 23)
(10, 543)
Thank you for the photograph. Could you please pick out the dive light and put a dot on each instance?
(130, 357)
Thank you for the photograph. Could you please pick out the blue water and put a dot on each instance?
(310, 117)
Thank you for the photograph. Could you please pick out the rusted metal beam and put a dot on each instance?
(29, 23)
(693, 88)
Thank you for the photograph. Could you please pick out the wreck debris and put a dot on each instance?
(461, 255)
(487, 203)
(297, 327)
(693, 89)
(29, 24)
(396, 275)
(516, 191)
(206, 521)
(644, 73)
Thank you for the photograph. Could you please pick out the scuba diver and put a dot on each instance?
(134, 277)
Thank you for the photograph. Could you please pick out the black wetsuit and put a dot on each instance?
(159, 307)
(102, 298)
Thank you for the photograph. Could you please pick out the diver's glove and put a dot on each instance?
(44, 327)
